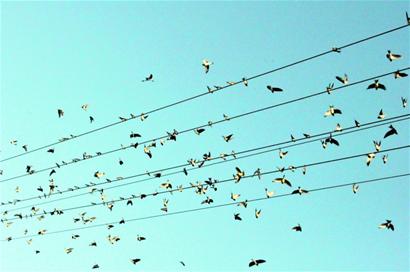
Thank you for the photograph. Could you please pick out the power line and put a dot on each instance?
(312, 138)
(215, 206)
(216, 182)
(206, 93)
(206, 125)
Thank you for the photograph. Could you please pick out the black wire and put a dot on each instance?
(202, 94)
(214, 123)
(213, 207)
(216, 182)
(312, 139)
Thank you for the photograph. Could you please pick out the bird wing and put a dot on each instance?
(371, 86)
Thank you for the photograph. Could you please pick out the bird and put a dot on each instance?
(91, 119)
(13, 142)
(198, 131)
(208, 200)
(182, 263)
(234, 197)
(274, 89)
(282, 154)
(355, 188)
(384, 158)
(324, 144)
(134, 261)
(84, 107)
(381, 115)
(404, 102)
(300, 191)
(377, 145)
(206, 64)
(399, 74)
(52, 172)
(297, 228)
(51, 150)
(147, 151)
(282, 180)
(239, 174)
(236, 216)
(269, 194)
(245, 82)
(60, 113)
(99, 174)
(370, 158)
(228, 137)
(376, 85)
(391, 56)
(134, 135)
(24, 147)
(387, 225)
(120, 162)
(332, 111)
(407, 18)
(150, 77)
(129, 202)
(356, 123)
(122, 221)
(344, 80)
(94, 243)
(329, 88)
(390, 132)
(143, 116)
(140, 238)
(95, 266)
(258, 213)
(257, 173)
(338, 127)
(68, 250)
(331, 140)
(256, 262)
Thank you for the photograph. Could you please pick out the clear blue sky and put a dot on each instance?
(62, 55)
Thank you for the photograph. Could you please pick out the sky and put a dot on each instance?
(61, 55)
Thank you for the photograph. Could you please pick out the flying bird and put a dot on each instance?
(332, 111)
(206, 64)
(355, 188)
(135, 261)
(404, 102)
(283, 180)
(236, 216)
(390, 132)
(370, 158)
(91, 119)
(147, 151)
(256, 262)
(391, 56)
(344, 80)
(297, 228)
(274, 89)
(387, 225)
(68, 250)
(60, 113)
(198, 131)
(300, 191)
(399, 74)
(95, 266)
(258, 213)
(51, 150)
(384, 158)
(239, 174)
(331, 140)
(329, 88)
(85, 107)
(150, 77)
(99, 174)
(282, 154)
(245, 82)
(269, 194)
(228, 137)
(140, 238)
(234, 197)
(376, 85)
(377, 145)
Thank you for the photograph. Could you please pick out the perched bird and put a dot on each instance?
(274, 89)
(234, 197)
(150, 77)
(338, 127)
(269, 194)
(332, 111)
(391, 56)
(370, 158)
(60, 113)
(258, 213)
(329, 88)
(376, 85)
(355, 188)
(356, 123)
(387, 225)
(344, 80)
(399, 74)
(390, 132)
(228, 137)
(245, 82)
(404, 102)
(143, 116)
(300, 191)
(236, 216)
(256, 262)
(226, 117)
(283, 180)
(257, 173)
(206, 64)
(297, 228)
(381, 115)
(407, 18)
(134, 261)
(336, 49)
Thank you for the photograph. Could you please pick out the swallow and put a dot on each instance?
(387, 225)
(274, 89)
(24, 147)
(239, 174)
(256, 262)
(292, 138)
(135, 261)
(384, 158)
(85, 107)
(13, 142)
(147, 151)
(404, 102)
(257, 173)
(94, 243)
(282, 154)
(208, 200)
(300, 191)
(228, 137)
(258, 213)
(370, 158)
(297, 228)
(329, 88)
(236, 216)
(381, 115)
(391, 56)
(60, 113)
(282, 180)
(140, 238)
(269, 194)
(332, 111)
(51, 150)
(150, 77)
(338, 127)
(377, 145)
(390, 132)
(135, 135)
(95, 266)
(99, 174)
(355, 188)
(344, 80)
(245, 82)
(198, 131)
(376, 85)
(68, 250)
(399, 74)
(234, 197)
(356, 123)
(331, 140)
(206, 64)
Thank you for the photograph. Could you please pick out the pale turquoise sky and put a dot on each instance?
(65, 54)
